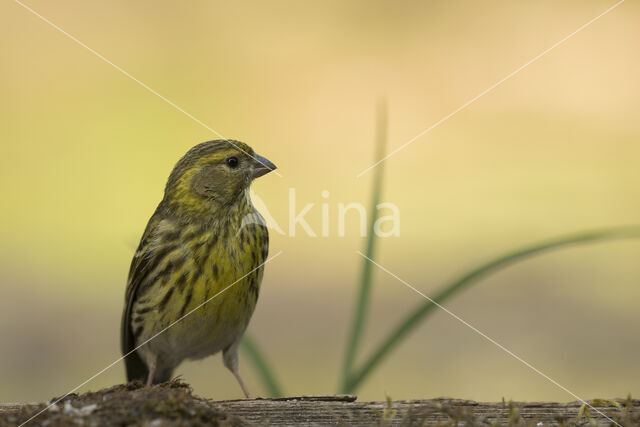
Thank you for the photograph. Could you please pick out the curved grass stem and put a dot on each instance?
(261, 366)
(362, 303)
(456, 286)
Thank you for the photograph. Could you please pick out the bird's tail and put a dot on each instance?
(136, 368)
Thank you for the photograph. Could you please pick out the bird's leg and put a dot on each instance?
(152, 371)
(244, 387)
(230, 358)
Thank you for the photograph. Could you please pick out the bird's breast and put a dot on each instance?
(217, 289)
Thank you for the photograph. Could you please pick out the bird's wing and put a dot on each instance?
(141, 265)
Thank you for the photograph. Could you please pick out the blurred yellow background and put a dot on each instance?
(86, 151)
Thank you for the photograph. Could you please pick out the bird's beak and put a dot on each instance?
(261, 166)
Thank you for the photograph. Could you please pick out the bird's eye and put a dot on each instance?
(232, 162)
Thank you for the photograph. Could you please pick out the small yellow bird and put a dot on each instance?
(204, 236)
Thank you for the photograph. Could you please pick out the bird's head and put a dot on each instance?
(213, 175)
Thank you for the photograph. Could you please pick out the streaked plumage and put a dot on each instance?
(204, 236)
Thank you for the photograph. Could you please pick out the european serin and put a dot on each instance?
(204, 236)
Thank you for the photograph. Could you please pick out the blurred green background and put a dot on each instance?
(86, 151)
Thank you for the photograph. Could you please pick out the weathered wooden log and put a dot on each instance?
(345, 410)
(173, 404)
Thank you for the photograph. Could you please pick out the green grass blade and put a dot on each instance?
(261, 366)
(419, 314)
(362, 303)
